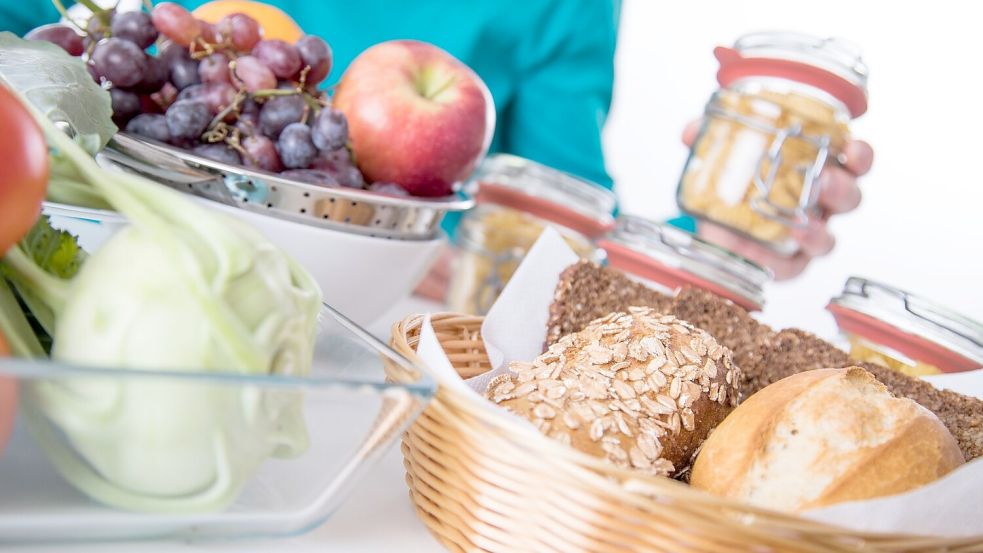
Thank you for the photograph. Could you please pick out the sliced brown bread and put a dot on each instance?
(587, 291)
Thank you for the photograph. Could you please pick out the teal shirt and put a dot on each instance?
(548, 63)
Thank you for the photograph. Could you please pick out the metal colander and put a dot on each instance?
(345, 209)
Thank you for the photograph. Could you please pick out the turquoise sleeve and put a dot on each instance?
(564, 85)
(684, 222)
(564, 81)
(19, 16)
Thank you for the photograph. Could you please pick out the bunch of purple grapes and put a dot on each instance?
(221, 91)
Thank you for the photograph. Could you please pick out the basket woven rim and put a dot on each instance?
(629, 482)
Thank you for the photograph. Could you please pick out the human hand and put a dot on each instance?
(838, 193)
(434, 284)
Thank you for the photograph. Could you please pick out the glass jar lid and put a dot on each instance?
(832, 65)
(673, 257)
(917, 327)
(525, 185)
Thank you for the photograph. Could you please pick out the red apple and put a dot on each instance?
(417, 116)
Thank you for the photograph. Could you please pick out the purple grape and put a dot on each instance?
(150, 125)
(218, 152)
(170, 52)
(187, 119)
(241, 30)
(339, 164)
(176, 23)
(155, 74)
(126, 105)
(93, 73)
(280, 56)
(252, 74)
(248, 120)
(261, 154)
(295, 147)
(249, 107)
(215, 69)
(389, 188)
(315, 53)
(330, 129)
(280, 111)
(311, 176)
(193, 92)
(218, 96)
(184, 73)
(62, 35)
(119, 61)
(134, 26)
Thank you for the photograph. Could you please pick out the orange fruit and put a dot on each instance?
(274, 21)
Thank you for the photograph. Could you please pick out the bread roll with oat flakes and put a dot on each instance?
(639, 389)
(822, 437)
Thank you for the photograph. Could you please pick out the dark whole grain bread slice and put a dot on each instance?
(587, 291)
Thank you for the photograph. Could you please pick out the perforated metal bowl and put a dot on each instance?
(346, 209)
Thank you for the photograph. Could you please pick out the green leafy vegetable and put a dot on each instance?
(180, 289)
(59, 86)
(55, 251)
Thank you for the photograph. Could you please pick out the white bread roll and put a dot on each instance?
(822, 437)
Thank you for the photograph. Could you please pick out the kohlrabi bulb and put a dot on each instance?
(231, 303)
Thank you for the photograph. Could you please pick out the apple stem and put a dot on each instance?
(431, 94)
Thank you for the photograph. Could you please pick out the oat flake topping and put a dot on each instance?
(624, 387)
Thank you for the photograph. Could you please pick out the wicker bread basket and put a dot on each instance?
(481, 482)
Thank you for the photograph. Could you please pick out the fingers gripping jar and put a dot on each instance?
(781, 114)
(905, 332)
(516, 199)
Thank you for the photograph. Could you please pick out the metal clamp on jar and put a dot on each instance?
(780, 116)
(905, 332)
(668, 258)
(516, 199)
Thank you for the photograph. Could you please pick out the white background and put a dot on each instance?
(919, 226)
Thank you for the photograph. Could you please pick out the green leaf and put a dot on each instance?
(59, 86)
(58, 255)
(55, 251)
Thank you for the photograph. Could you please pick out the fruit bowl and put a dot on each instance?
(343, 209)
(361, 275)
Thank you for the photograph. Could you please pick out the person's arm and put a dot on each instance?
(563, 88)
(19, 16)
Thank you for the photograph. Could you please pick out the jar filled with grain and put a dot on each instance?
(905, 332)
(667, 258)
(516, 199)
(781, 114)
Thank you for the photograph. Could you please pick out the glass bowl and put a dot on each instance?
(352, 415)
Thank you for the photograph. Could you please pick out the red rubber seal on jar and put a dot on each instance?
(507, 196)
(911, 345)
(734, 66)
(634, 262)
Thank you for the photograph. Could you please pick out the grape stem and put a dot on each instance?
(267, 92)
(97, 11)
(64, 13)
(218, 130)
